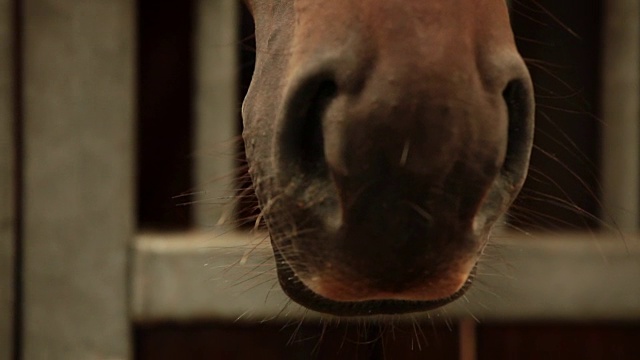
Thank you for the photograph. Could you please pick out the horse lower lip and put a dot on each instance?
(351, 290)
(301, 294)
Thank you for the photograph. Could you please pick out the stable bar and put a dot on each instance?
(7, 179)
(202, 276)
(78, 108)
(621, 113)
(216, 108)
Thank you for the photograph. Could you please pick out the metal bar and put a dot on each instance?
(621, 113)
(216, 108)
(184, 277)
(78, 111)
(7, 179)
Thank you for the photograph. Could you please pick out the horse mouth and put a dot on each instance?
(296, 289)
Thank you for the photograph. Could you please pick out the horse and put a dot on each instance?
(384, 139)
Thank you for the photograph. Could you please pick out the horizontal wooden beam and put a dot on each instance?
(574, 277)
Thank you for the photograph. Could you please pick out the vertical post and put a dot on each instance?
(621, 113)
(468, 339)
(7, 177)
(78, 114)
(216, 107)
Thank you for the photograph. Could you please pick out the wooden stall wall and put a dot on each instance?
(76, 101)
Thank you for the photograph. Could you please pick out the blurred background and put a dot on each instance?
(128, 225)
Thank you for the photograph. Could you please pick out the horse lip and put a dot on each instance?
(293, 287)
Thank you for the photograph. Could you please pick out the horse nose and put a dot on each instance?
(387, 145)
(351, 125)
(403, 172)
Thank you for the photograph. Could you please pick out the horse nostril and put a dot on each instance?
(300, 145)
(311, 142)
(519, 99)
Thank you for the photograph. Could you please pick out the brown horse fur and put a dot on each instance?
(385, 138)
